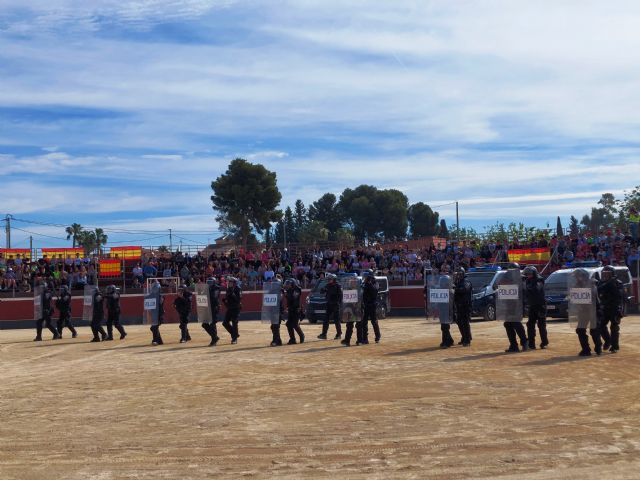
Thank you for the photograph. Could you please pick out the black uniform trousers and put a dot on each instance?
(537, 316)
(230, 322)
(584, 339)
(349, 332)
(610, 316)
(293, 325)
(155, 331)
(275, 333)
(515, 330)
(369, 315)
(447, 339)
(47, 322)
(64, 320)
(333, 313)
(463, 319)
(184, 327)
(97, 329)
(113, 320)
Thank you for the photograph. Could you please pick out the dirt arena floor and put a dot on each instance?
(401, 409)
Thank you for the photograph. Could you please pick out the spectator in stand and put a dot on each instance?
(149, 270)
(137, 273)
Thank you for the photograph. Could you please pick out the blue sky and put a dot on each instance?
(119, 114)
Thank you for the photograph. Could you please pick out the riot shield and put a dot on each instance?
(509, 296)
(203, 303)
(440, 299)
(582, 299)
(271, 297)
(38, 293)
(151, 313)
(351, 307)
(87, 303)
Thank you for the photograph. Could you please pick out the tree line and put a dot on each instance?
(246, 199)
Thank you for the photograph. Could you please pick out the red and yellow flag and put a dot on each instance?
(110, 267)
(536, 256)
(63, 252)
(12, 253)
(126, 253)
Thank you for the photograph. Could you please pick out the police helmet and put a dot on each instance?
(331, 277)
(111, 289)
(461, 271)
(212, 281)
(610, 271)
(64, 288)
(530, 270)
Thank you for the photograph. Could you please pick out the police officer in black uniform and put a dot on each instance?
(113, 312)
(98, 316)
(369, 307)
(276, 339)
(611, 299)
(47, 312)
(333, 296)
(63, 304)
(233, 302)
(293, 293)
(155, 329)
(462, 299)
(536, 305)
(214, 299)
(182, 304)
(583, 281)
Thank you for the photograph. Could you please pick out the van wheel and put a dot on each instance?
(490, 312)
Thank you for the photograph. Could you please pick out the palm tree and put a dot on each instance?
(87, 240)
(74, 232)
(101, 239)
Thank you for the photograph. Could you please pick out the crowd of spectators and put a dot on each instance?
(253, 267)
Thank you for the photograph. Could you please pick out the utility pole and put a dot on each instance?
(170, 241)
(457, 224)
(8, 229)
(31, 255)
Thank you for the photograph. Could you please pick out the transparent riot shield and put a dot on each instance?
(151, 313)
(87, 303)
(271, 298)
(203, 303)
(582, 293)
(509, 296)
(440, 299)
(351, 307)
(38, 293)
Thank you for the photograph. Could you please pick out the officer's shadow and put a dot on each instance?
(479, 356)
(557, 360)
(412, 351)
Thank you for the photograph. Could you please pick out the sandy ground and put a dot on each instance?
(401, 409)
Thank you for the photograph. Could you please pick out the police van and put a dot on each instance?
(316, 304)
(483, 281)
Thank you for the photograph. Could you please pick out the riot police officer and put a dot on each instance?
(293, 293)
(536, 305)
(155, 329)
(214, 299)
(276, 339)
(585, 311)
(369, 308)
(63, 304)
(611, 299)
(182, 304)
(233, 301)
(462, 299)
(98, 316)
(47, 312)
(333, 296)
(112, 296)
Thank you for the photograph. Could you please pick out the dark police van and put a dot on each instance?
(316, 305)
(483, 280)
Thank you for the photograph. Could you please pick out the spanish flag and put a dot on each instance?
(12, 253)
(535, 256)
(110, 267)
(126, 253)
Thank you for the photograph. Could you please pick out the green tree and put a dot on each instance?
(246, 196)
(101, 239)
(300, 217)
(345, 237)
(327, 211)
(443, 231)
(423, 221)
(73, 232)
(87, 240)
(312, 233)
(290, 226)
(574, 226)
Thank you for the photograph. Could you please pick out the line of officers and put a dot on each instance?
(595, 305)
(45, 301)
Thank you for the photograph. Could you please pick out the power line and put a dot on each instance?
(39, 234)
